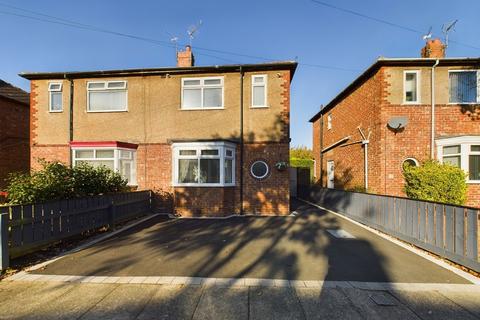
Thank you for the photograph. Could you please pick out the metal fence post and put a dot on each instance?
(4, 256)
(112, 212)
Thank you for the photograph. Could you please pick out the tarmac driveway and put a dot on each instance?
(295, 247)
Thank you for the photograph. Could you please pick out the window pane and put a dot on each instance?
(258, 79)
(116, 85)
(187, 170)
(451, 150)
(474, 167)
(104, 154)
(475, 148)
(209, 171)
(54, 87)
(212, 81)
(191, 82)
(229, 153)
(126, 170)
(228, 170)
(83, 153)
(192, 98)
(213, 152)
(212, 97)
(454, 161)
(98, 163)
(259, 169)
(125, 154)
(411, 87)
(259, 96)
(188, 152)
(96, 85)
(56, 101)
(463, 87)
(107, 100)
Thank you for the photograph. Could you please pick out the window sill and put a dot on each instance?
(473, 181)
(51, 111)
(259, 107)
(202, 185)
(416, 103)
(106, 111)
(201, 109)
(463, 103)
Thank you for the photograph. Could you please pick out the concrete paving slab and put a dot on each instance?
(222, 303)
(9, 290)
(468, 300)
(151, 280)
(124, 302)
(37, 295)
(433, 305)
(274, 303)
(259, 282)
(222, 282)
(172, 302)
(367, 307)
(73, 304)
(326, 303)
(165, 280)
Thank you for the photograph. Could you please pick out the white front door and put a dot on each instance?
(330, 174)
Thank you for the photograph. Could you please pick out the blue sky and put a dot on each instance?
(273, 29)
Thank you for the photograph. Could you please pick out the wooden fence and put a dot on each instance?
(449, 231)
(25, 228)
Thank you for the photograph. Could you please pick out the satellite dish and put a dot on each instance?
(397, 123)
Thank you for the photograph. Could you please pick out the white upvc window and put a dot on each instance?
(411, 86)
(203, 164)
(55, 103)
(202, 93)
(107, 96)
(329, 121)
(122, 160)
(462, 152)
(464, 86)
(259, 91)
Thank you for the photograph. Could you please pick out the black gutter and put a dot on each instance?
(241, 140)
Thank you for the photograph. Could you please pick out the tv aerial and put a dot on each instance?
(193, 30)
(428, 35)
(446, 29)
(174, 40)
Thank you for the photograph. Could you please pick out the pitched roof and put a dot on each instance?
(275, 65)
(396, 62)
(13, 93)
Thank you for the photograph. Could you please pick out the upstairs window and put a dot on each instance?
(55, 97)
(202, 93)
(411, 87)
(107, 96)
(205, 164)
(464, 86)
(259, 91)
(329, 121)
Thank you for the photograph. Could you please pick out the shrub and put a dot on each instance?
(437, 182)
(57, 181)
(357, 188)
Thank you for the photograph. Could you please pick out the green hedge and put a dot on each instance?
(437, 182)
(301, 163)
(57, 181)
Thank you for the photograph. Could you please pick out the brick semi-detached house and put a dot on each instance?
(14, 131)
(409, 110)
(208, 140)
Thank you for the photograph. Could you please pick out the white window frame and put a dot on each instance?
(478, 86)
(202, 87)
(266, 173)
(222, 148)
(116, 159)
(419, 94)
(465, 143)
(106, 89)
(50, 91)
(264, 85)
(329, 121)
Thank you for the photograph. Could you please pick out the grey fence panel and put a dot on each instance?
(447, 230)
(27, 236)
(16, 229)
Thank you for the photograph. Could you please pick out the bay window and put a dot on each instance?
(462, 152)
(106, 96)
(464, 86)
(204, 164)
(202, 93)
(117, 159)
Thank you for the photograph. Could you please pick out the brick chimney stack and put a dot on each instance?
(185, 58)
(433, 49)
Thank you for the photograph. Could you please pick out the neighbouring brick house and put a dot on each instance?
(178, 131)
(14, 131)
(393, 102)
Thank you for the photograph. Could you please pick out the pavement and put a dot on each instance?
(313, 265)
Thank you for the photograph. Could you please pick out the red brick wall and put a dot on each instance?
(14, 131)
(49, 153)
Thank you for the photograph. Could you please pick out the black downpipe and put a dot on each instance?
(71, 120)
(321, 148)
(241, 141)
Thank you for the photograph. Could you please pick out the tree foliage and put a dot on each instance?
(437, 182)
(301, 152)
(57, 181)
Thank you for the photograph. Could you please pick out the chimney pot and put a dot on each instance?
(434, 48)
(185, 58)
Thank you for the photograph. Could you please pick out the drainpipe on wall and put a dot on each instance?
(71, 120)
(432, 138)
(321, 148)
(241, 140)
(365, 141)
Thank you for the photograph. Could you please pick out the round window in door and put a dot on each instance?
(259, 169)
